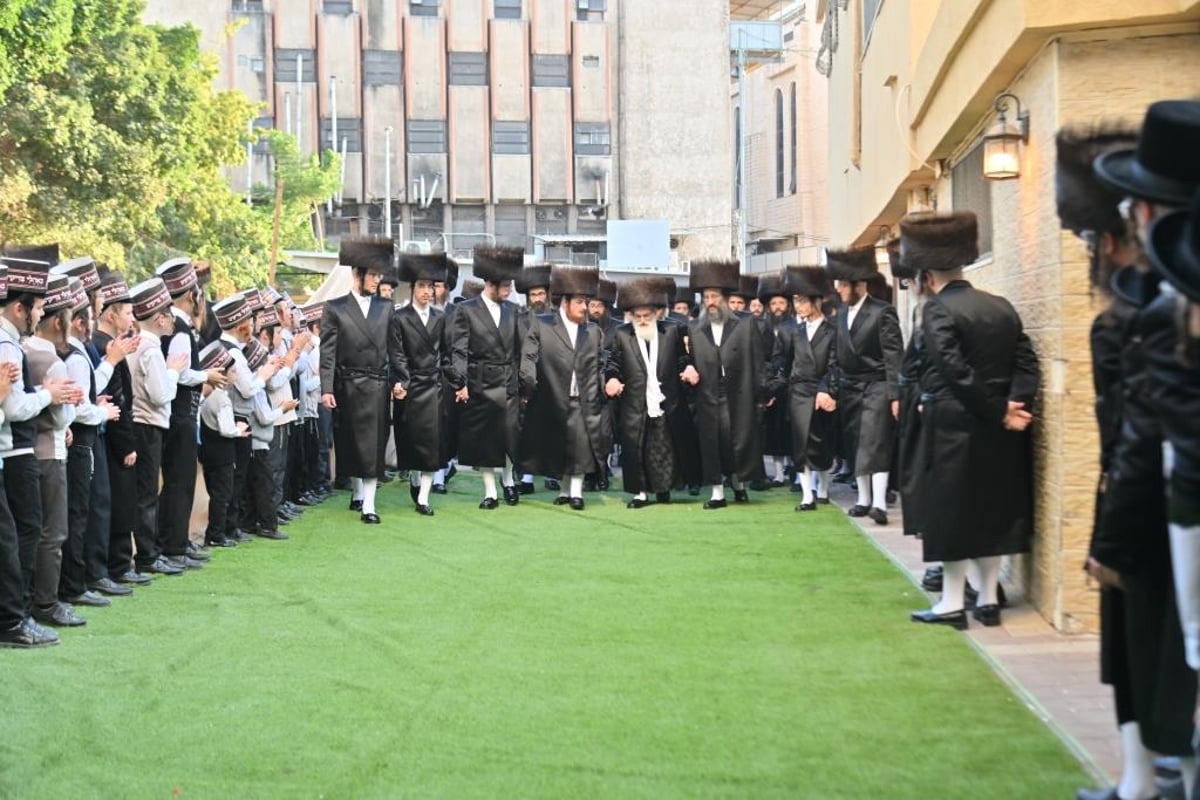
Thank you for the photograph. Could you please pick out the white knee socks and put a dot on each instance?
(1137, 774)
(426, 483)
(879, 482)
(864, 490)
(823, 484)
(718, 491)
(989, 579)
(575, 483)
(489, 484)
(506, 474)
(954, 576)
(356, 488)
(368, 497)
(780, 468)
(806, 489)
(1185, 563)
(439, 477)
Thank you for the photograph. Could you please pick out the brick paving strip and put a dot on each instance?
(1057, 676)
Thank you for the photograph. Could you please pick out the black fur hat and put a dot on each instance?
(938, 242)
(572, 281)
(808, 281)
(497, 264)
(747, 288)
(367, 253)
(721, 275)
(898, 267)
(854, 264)
(1084, 203)
(607, 291)
(451, 274)
(471, 289)
(771, 284)
(423, 267)
(642, 292)
(532, 277)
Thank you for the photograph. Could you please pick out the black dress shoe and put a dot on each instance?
(879, 515)
(931, 581)
(561, 500)
(489, 504)
(424, 511)
(662, 497)
(60, 615)
(356, 505)
(637, 502)
(822, 501)
(858, 511)
(778, 483)
(281, 520)
(242, 536)
(135, 577)
(306, 500)
(439, 488)
(740, 496)
(89, 598)
(370, 519)
(274, 535)
(589, 484)
(197, 553)
(988, 615)
(510, 495)
(807, 507)
(27, 635)
(162, 566)
(222, 542)
(110, 587)
(525, 487)
(552, 484)
(576, 503)
(709, 504)
(955, 619)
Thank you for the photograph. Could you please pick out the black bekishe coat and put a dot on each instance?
(419, 420)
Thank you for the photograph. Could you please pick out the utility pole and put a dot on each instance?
(387, 181)
(275, 221)
(741, 156)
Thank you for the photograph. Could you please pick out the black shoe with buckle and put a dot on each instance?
(510, 495)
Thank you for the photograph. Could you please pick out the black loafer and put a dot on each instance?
(89, 598)
(439, 488)
(637, 502)
(136, 578)
(489, 504)
(561, 500)
(60, 615)
(955, 619)
(807, 507)
(27, 635)
(510, 495)
(988, 616)
(552, 484)
(858, 511)
(275, 535)
(370, 519)
(879, 515)
(931, 581)
(356, 505)
(110, 587)
(822, 501)
(662, 497)
(424, 511)
(162, 566)
(525, 487)
(740, 496)
(710, 504)
(576, 503)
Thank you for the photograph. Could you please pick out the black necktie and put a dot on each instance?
(580, 337)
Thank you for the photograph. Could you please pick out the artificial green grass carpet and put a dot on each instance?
(525, 652)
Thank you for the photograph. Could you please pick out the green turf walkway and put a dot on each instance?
(528, 652)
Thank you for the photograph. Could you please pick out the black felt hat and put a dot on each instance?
(1165, 165)
(1174, 249)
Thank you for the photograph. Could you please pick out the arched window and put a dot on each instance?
(792, 142)
(779, 143)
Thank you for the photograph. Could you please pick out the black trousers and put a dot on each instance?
(218, 479)
(178, 486)
(296, 482)
(278, 460)
(314, 460)
(72, 580)
(23, 486)
(261, 513)
(123, 515)
(235, 516)
(149, 462)
(96, 535)
(324, 443)
(12, 582)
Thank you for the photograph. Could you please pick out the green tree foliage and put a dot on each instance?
(113, 142)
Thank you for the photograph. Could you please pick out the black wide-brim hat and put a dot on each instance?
(1165, 166)
(1174, 249)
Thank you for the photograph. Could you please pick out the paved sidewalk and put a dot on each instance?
(1056, 675)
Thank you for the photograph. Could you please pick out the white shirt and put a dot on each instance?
(718, 329)
(493, 308)
(19, 405)
(245, 384)
(87, 412)
(811, 326)
(654, 393)
(853, 310)
(189, 376)
(364, 302)
(216, 413)
(423, 313)
(572, 334)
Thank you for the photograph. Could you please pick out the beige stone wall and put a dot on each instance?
(1044, 272)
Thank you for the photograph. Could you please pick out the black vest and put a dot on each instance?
(84, 435)
(24, 433)
(187, 398)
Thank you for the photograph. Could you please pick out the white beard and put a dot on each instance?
(645, 332)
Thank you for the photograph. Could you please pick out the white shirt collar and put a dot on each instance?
(572, 327)
(38, 343)
(857, 306)
(226, 336)
(489, 302)
(183, 315)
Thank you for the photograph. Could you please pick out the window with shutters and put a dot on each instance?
(779, 143)
(286, 62)
(508, 9)
(593, 139)
(510, 138)
(468, 69)
(468, 219)
(970, 191)
(551, 70)
(349, 131)
(382, 68)
(426, 136)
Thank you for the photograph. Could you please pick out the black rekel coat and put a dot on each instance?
(419, 420)
(869, 355)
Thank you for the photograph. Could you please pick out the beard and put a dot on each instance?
(539, 307)
(719, 314)
(645, 332)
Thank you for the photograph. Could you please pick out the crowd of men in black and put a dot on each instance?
(111, 395)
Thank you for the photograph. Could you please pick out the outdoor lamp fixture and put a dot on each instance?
(1002, 144)
(881, 253)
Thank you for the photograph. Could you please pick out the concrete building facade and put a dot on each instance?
(519, 122)
(912, 87)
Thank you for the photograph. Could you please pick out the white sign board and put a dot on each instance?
(640, 245)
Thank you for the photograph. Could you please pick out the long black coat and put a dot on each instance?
(806, 367)
(908, 439)
(626, 364)
(776, 420)
(548, 358)
(869, 356)
(977, 499)
(745, 377)
(354, 368)
(419, 420)
(684, 435)
(486, 360)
